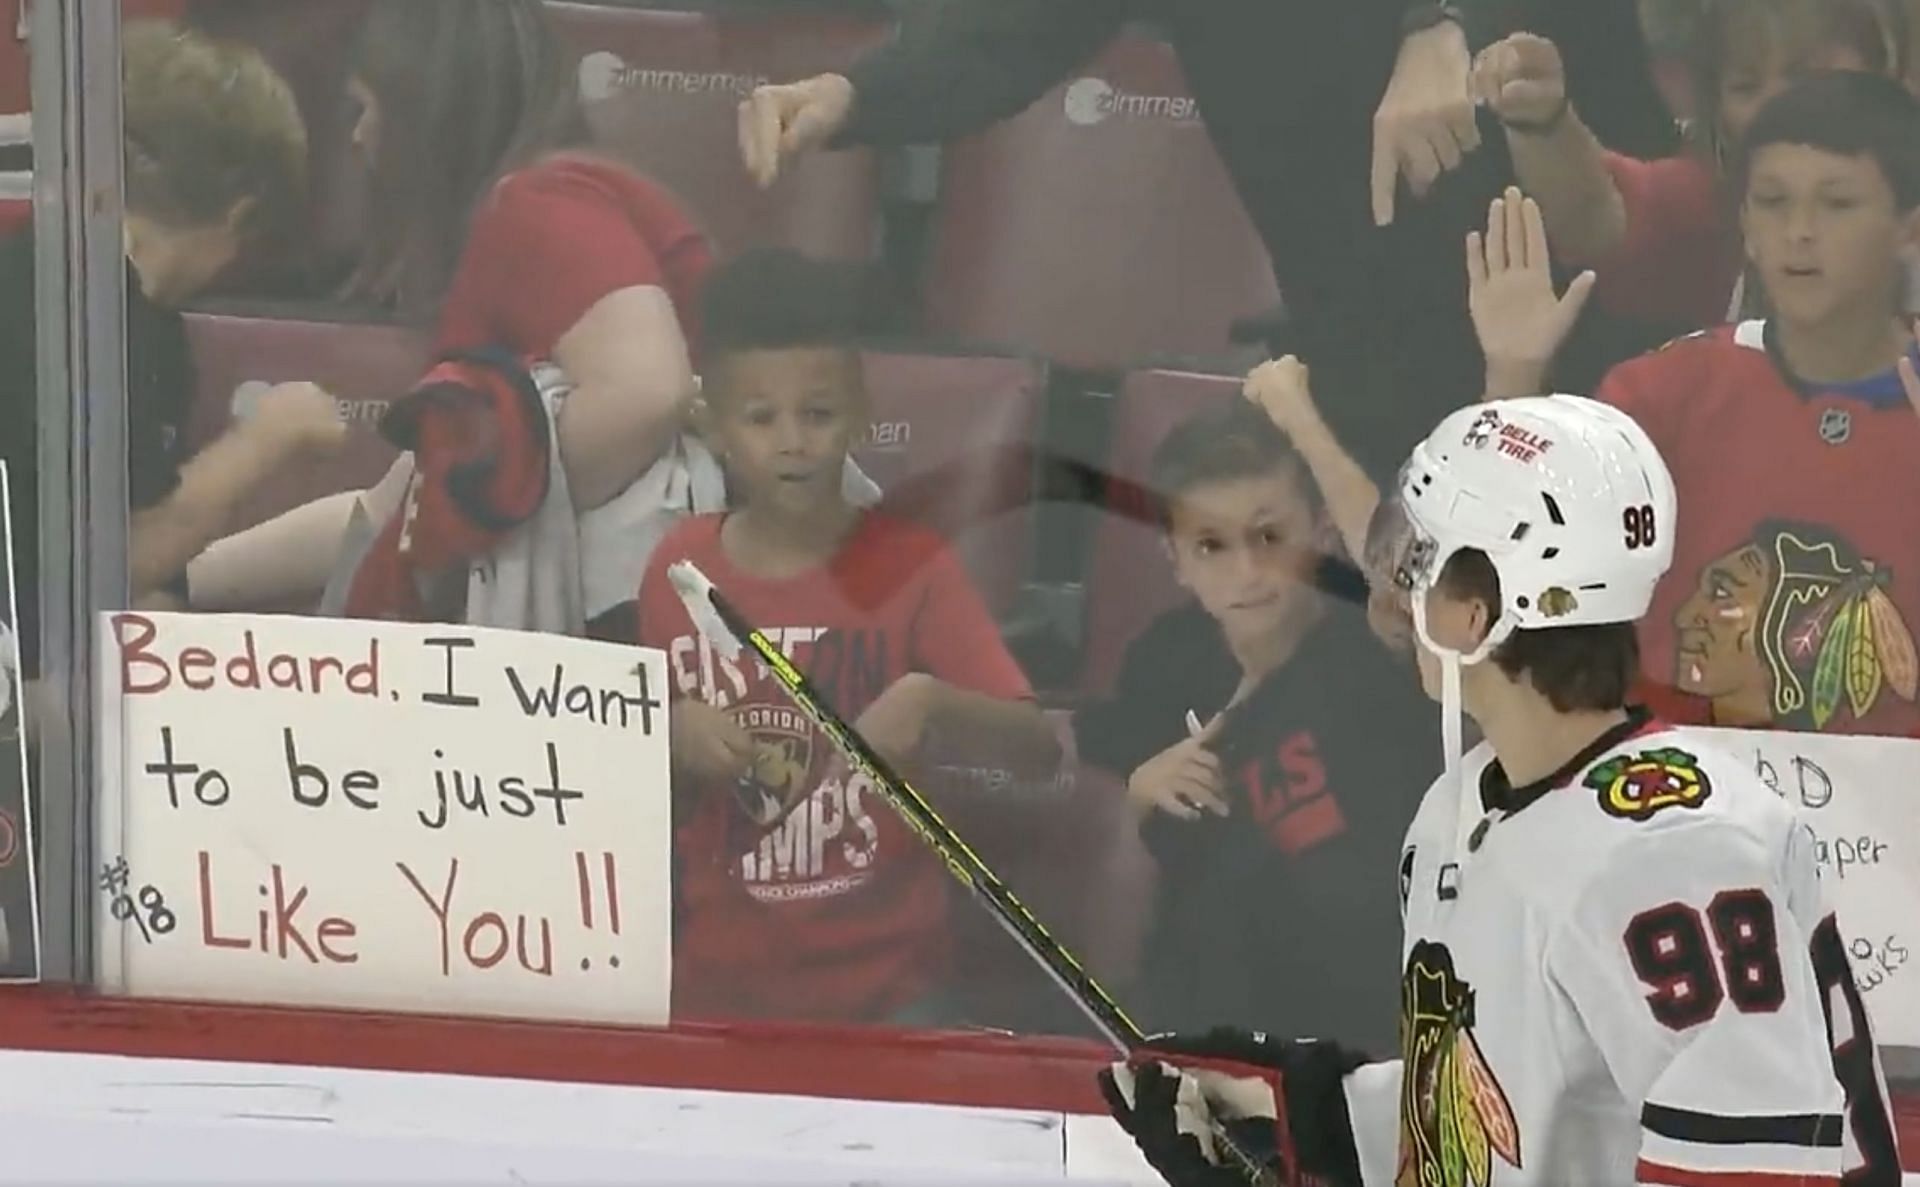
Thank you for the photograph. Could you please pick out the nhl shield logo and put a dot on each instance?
(1836, 426)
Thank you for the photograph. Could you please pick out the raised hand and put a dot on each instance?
(1282, 389)
(1519, 320)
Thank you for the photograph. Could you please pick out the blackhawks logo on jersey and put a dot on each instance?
(1454, 1116)
(1636, 786)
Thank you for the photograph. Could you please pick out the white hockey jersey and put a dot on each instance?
(1624, 973)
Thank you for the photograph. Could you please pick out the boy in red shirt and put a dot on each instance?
(1795, 589)
(801, 894)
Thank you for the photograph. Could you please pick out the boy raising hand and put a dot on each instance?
(1794, 597)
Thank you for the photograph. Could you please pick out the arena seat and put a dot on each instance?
(1128, 579)
(951, 445)
(949, 440)
(1098, 227)
(661, 89)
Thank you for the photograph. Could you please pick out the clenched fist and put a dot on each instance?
(1523, 81)
(298, 418)
(1282, 388)
(778, 123)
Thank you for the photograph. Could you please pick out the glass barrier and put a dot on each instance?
(948, 344)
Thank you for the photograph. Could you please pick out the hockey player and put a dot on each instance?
(1617, 966)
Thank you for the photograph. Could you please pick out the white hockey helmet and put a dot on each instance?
(1567, 497)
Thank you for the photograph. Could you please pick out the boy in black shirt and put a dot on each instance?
(215, 165)
(1273, 751)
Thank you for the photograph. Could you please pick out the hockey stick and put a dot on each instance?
(727, 630)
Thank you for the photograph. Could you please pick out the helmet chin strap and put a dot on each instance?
(1453, 711)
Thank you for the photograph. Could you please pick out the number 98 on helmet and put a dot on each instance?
(1567, 497)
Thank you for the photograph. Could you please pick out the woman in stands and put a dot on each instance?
(487, 215)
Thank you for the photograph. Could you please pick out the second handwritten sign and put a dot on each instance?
(1860, 797)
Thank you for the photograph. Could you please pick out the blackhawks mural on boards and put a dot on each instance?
(1797, 628)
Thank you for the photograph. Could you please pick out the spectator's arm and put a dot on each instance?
(289, 558)
(1556, 160)
(1022, 737)
(1565, 171)
(1282, 390)
(565, 271)
(977, 696)
(1653, 230)
(959, 66)
(163, 538)
(1350, 495)
(1126, 727)
(631, 380)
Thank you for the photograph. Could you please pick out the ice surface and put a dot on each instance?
(94, 1118)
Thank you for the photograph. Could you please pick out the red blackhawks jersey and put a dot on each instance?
(1622, 974)
(1794, 595)
(837, 911)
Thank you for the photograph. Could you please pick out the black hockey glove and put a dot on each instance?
(1281, 1101)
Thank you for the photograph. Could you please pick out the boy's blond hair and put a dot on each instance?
(212, 132)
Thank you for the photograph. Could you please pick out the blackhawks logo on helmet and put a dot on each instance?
(1637, 786)
(1454, 1116)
